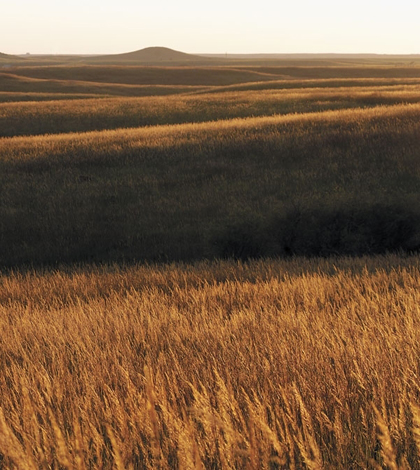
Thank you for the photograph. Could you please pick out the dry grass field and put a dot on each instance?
(78, 113)
(210, 267)
(271, 364)
(342, 181)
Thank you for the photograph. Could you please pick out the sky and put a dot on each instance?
(216, 26)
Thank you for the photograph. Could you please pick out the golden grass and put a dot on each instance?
(81, 115)
(19, 96)
(360, 122)
(218, 365)
(319, 83)
(271, 364)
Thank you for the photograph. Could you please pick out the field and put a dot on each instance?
(271, 364)
(210, 266)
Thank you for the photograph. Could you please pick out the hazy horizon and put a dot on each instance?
(107, 27)
(262, 55)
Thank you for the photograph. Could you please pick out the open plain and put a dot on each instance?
(209, 264)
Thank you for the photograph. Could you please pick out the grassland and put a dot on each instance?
(90, 113)
(128, 342)
(342, 181)
(271, 364)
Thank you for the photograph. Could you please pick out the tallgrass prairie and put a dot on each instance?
(223, 277)
(268, 364)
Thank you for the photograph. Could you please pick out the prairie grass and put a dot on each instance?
(12, 83)
(251, 187)
(366, 83)
(340, 71)
(146, 75)
(289, 362)
(111, 113)
(213, 75)
(270, 364)
(19, 96)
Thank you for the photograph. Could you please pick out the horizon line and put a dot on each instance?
(225, 53)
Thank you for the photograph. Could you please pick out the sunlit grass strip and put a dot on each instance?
(20, 97)
(70, 115)
(358, 121)
(317, 83)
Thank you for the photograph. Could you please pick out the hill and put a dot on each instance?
(313, 184)
(152, 55)
(10, 58)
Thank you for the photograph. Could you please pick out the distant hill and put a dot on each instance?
(7, 60)
(9, 57)
(152, 55)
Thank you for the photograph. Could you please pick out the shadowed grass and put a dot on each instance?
(167, 193)
(146, 75)
(12, 83)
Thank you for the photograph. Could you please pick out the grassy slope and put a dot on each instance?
(13, 83)
(340, 182)
(317, 83)
(211, 75)
(143, 75)
(111, 113)
(242, 187)
(22, 96)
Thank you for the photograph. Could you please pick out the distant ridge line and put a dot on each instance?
(314, 55)
(9, 56)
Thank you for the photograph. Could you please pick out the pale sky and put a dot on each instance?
(219, 26)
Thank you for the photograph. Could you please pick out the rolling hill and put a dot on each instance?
(151, 56)
(10, 58)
